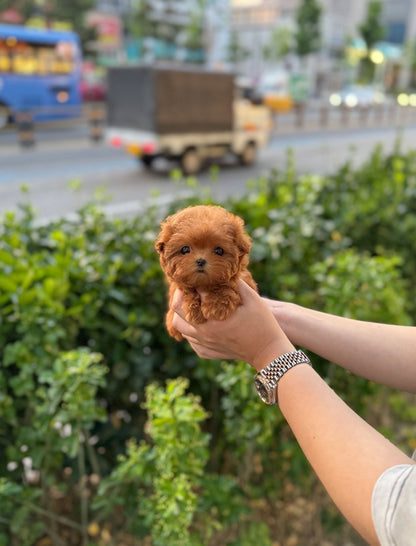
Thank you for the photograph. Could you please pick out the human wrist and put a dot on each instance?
(289, 382)
(289, 316)
(285, 313)
(270, 351)
(268, 379)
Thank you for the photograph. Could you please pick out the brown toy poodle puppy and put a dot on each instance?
(204, 249)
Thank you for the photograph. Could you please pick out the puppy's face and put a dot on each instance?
(203, 246)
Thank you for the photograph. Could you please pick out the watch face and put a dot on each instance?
(262, 390)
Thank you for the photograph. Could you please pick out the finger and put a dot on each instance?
(208, 352)
(183, 326)
(177, 302)
(245, 289)
(191, 340)
(204, 352)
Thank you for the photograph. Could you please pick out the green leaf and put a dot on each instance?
(6, 257)
(7, 284)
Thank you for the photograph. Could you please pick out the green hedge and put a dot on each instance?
(110, 431)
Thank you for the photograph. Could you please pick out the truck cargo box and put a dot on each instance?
(170, 101)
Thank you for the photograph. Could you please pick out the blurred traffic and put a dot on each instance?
(189, 116)
(357, 95)
(288, 66)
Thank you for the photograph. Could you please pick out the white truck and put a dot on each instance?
(184, 115)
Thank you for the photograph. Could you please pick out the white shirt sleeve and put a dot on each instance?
(394, 506)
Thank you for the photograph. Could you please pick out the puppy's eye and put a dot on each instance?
(185, 250)
(218, 250)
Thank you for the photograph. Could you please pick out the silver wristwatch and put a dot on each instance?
(266, 380)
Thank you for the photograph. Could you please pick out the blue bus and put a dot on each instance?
(40, 73)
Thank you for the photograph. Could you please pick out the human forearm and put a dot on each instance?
(380, 352)
(347, 454)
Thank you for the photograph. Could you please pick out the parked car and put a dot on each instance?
(357, 95)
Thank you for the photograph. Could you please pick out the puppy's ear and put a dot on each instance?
(160, 246)
(163, 236)
(242, 239)
(244, 243)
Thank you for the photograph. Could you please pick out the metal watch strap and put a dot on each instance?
(266, 380)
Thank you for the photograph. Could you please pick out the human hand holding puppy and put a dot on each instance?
(319, 419)
(251, 333)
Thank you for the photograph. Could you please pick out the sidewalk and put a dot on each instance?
(315, 118)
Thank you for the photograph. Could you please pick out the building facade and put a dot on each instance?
(255, 20)
(252, 23)
(399, 19)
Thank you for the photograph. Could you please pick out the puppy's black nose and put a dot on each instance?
(200, 262)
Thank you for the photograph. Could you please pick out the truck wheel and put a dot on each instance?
(249, 155)
(147, 161)
(4, 116)
(191, 162)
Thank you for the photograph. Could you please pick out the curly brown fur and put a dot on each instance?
(204, 249)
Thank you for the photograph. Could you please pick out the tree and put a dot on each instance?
(281, 43)
(236, 52)
(140, 23)
(308, 34)
(194, 32)
(372, 31)
(146, 22)
(74, 11)
(410, 58)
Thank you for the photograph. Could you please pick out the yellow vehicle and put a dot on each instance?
(274, 90)
(277, 103)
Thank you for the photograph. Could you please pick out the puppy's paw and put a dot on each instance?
(220, 307)
(192, 308)
(194, 315)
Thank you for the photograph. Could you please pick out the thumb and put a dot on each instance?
(246, 292)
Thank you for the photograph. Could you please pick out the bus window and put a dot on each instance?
(5, 62)
(21, 57)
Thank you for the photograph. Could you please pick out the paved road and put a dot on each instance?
(48, 169)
